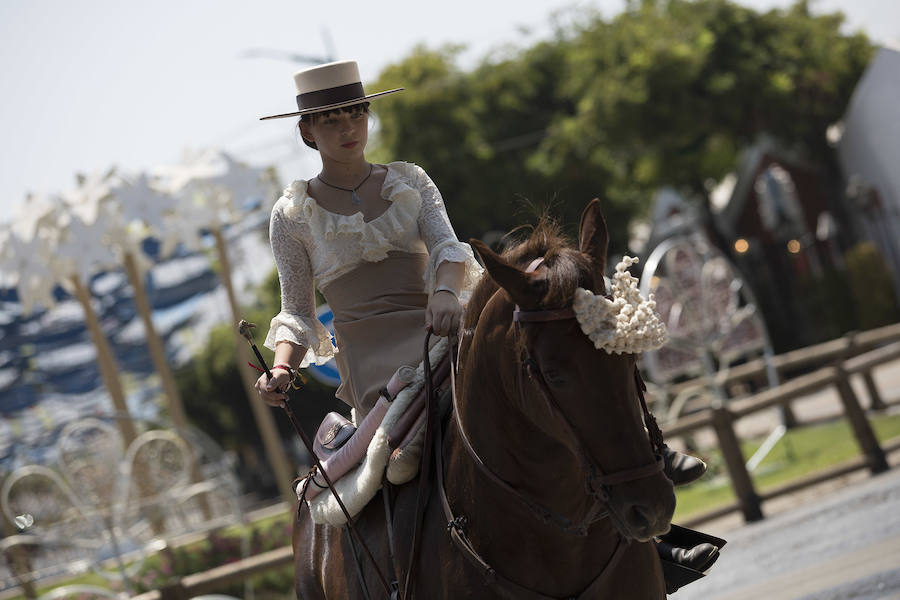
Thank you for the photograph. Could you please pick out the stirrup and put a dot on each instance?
(677, 575)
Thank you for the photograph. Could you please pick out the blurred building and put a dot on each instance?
(868, 148)
(791, 226)
(780, 226)
(776, 217)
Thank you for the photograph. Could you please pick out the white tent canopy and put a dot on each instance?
(868, 149)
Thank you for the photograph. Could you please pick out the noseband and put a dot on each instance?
(597, 482)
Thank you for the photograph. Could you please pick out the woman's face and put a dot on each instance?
(339, 135)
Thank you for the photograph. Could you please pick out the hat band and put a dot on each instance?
(329, 96)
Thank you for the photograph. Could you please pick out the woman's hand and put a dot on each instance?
(443, 313)
(272, 390)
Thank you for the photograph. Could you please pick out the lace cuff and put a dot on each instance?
(452, 250)
(303, 331)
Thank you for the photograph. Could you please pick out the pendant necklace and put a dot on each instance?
(354, 197)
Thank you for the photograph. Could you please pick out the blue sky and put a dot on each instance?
(96, 83)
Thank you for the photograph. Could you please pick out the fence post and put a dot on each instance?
(741, 482)
(173, 591)
(874, 395)
(862, 429)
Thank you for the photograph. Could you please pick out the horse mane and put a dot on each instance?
(566, 268)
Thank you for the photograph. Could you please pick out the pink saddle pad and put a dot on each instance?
(340, 446)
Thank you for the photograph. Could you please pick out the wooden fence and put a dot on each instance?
(854, 354)
(215, 579)
(722, 420)
(834, 363)
(787, 365)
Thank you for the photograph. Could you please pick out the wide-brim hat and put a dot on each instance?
(329, 86)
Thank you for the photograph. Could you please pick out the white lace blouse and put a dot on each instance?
(313, 245)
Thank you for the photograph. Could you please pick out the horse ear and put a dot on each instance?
(593, 239)
(515, 281)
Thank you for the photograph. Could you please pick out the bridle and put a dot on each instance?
(596, 484)
(597, 481)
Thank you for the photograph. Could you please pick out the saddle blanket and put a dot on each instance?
(360, 485)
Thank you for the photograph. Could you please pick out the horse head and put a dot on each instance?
(581, 396)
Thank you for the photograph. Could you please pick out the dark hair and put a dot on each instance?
(313, 117)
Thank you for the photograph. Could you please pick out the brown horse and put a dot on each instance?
(547, 467)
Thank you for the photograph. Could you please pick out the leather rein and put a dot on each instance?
(597, 482)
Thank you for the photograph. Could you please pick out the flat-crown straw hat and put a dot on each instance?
(329, 86)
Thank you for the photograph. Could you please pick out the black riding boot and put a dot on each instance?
(681, 468)
(699, 558)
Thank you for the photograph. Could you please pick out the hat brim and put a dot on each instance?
(316, 109)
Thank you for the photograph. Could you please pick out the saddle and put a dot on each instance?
(386, 444)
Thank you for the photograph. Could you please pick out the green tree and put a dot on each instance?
(666, 93)
(871, 284)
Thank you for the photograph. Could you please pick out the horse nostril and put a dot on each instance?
(639, 516)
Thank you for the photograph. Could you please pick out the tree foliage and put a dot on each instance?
(666, 93)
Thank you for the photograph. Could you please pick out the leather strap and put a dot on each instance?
(358, 564)
(318, 468)
(656, 436)
(389, 526)
(597, 481)
(456, 525)
(596, 474)
(632, 474)
(557, 314)
(424, 471)
(544, 514)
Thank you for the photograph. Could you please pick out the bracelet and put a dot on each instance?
(294, 373)
(285, 367)
(446, 288)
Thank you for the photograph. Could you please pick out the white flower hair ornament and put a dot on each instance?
(627, 324)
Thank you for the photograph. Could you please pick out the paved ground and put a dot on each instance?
(840, 546)
(839, 540)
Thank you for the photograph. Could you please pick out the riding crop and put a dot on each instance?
(244, 330)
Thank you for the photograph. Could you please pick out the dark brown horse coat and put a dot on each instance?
(512, 426)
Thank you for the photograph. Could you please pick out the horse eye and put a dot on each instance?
(554, 377)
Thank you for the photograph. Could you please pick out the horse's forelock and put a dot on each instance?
(566, 269)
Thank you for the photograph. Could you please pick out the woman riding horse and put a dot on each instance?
(378, 242)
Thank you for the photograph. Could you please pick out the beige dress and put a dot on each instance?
(375, 275)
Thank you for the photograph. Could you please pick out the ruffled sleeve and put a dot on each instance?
(297, 320)
(439, 237)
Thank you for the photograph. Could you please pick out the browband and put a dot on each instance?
(533, 316)
(542, 315)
